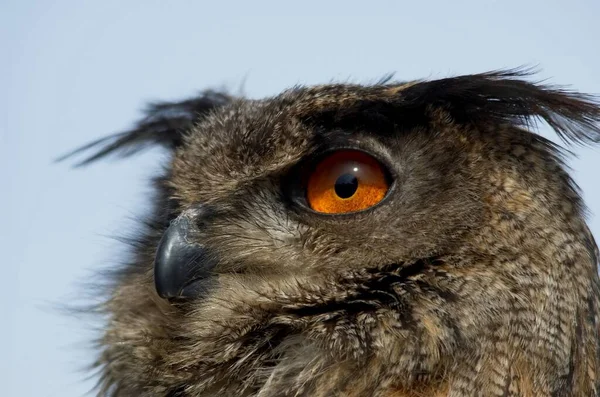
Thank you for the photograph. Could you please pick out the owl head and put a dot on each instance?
(382, 240)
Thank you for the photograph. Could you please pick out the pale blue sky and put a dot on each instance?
(73, 71)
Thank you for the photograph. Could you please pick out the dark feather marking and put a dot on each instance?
(375, 293)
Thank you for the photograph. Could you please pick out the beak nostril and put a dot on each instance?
(180, 260)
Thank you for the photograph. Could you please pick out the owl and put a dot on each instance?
(389, 240)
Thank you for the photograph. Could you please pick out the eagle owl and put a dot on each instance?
(389, 240)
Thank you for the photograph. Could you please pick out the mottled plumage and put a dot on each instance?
(475, 276)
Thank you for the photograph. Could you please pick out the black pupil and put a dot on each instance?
(346, 185)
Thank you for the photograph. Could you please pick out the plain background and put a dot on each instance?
(72, 71)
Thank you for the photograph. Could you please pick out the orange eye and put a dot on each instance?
(346, 181)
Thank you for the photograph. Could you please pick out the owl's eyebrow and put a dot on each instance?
(498, 97)
(379, 117)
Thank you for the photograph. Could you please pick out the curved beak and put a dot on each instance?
(182, 266)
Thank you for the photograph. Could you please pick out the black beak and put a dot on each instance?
(182, 267)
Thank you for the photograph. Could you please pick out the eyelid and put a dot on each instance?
(320, 153)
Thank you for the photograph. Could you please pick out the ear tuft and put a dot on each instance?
(164, 124)
(506, 96)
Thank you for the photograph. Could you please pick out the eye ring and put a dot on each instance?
(346, 181)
